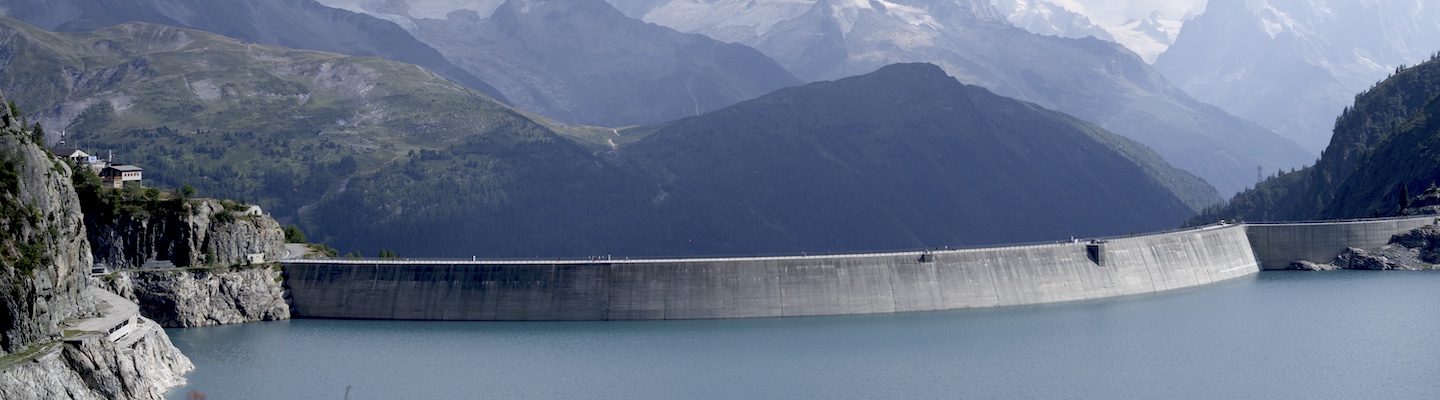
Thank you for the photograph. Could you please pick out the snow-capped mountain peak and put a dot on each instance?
(405, 13)
(1051, 19)
(1147, 37)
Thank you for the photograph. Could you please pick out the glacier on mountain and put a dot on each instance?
(1147, 37)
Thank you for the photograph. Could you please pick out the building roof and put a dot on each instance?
(124, 168)
(68, 152)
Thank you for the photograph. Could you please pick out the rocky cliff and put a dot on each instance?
(189, 298)
(1427, 203)
(142, 366)
(183, 232)
(44, 260)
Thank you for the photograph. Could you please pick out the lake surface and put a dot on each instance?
(1278, 335)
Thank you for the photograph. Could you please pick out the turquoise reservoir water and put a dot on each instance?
(1279, 335)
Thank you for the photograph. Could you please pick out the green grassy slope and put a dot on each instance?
(277, 126)
(300, 24)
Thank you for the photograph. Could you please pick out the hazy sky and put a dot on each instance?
(1119, 11)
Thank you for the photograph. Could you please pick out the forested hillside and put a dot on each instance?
(1382, 145)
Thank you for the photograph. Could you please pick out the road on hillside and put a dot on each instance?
(294, 251)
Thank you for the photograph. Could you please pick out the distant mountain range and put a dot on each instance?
(1092, 79)
(1147, 37)
(1385, 144)
(1293, 65)
(582, 61)
(368, 154)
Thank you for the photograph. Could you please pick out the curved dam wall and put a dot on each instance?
(769, 286)
(1276, 245)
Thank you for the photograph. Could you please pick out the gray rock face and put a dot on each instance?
(1354, 258)
(141, 367)
(183, 299)
(1427, 203)
(1424, 242)
(1302, 265)
(44, 259)
(185, 238)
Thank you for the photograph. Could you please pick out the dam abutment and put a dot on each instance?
(1278, 244)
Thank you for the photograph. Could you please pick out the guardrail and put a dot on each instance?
(915, 252)
(805, 255)
(1344, 221)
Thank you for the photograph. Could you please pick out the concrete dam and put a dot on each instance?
(693, 288)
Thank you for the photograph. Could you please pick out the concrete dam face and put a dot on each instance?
(813, 285)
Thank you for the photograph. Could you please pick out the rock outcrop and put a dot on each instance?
(189, 298)
(1303, 265)
(45, 261)
(185, 232)
(45, 256)
(1427, 203)
(142, 366)
(1417, 249)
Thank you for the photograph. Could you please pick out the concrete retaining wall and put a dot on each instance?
(765, 287)
(1276, 245)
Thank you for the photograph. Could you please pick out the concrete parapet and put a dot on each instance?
(766, 286)
(1277, 245)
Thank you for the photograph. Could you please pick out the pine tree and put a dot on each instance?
(15, 111)
(1404, 198)
(39, 134)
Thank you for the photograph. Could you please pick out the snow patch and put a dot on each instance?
(728, 20)
(205, 89)
(121, 104)
(405, 12)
